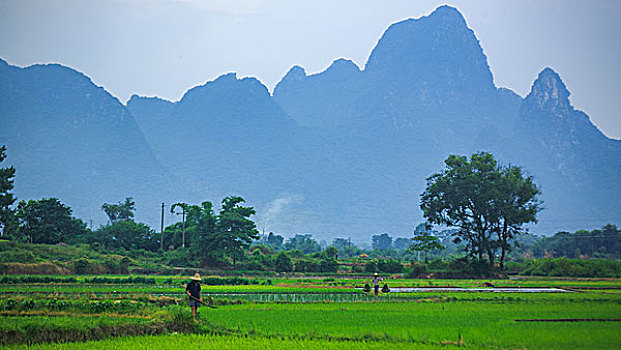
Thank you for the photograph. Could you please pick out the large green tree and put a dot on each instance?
(120, 211)
(129, 235)
(234, 229)
(218, 237)
(424, 241)
(7, 218)
(488, 204)
(345, 247)
(201, 231)
(47, 221)
(283, 263)
(382, 243)
(275, 241)
(304, 243)
(516, 204)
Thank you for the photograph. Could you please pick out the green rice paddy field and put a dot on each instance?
(328, 313)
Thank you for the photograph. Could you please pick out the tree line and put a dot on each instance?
(481, 208)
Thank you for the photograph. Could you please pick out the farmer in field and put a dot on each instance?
(376, 281)
(193, 290)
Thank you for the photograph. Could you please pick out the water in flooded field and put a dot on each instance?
(488, 290)
(293, 297)
(353, 297)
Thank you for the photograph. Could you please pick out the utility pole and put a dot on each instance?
(349, 250)
(183, 226)
(162, 230)
(184, 207)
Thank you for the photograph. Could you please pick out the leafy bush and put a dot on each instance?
(283, 262)
(573, 267)
(252, 265)
(82, 266)
(464, 267)
(306, 266)
(181, 320)
(438, 264)
(228, 281)
(124, 280)
(19, 256)
(36, 279)
(416, 270)
(328, 265)
(178, 257)
(371, 266)
(357, 268)
(389, 266)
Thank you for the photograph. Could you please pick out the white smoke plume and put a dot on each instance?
(275, 208)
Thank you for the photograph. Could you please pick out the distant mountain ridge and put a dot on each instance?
(344, 152)
(427, 83)
(73, 140)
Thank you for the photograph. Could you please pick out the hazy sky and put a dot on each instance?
(165, 47)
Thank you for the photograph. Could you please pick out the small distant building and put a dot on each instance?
(363, 256)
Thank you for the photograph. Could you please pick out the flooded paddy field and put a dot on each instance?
(314, 313)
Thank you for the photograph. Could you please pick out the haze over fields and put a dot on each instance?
(344, 152)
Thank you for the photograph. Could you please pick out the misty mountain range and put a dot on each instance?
(341, 153)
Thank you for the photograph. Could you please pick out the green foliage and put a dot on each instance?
(128, 234)
(83, 266)
(371, 266)
(303, 265)
(121, 280)
(389, 266)
(20, 256)
(416, 270)
(402, 243)
(215, 238)
(174, 235)
(599, 243)
(35, 279)
(345, 247)
(120, 211)
(201, 226)
(275, 241)
(63, 329)
(184, 209)
(367, 288)
(178, 257)
(235, 231)
(382, 242)
(283, 263)
(328, 265)
(48, 221)
(565, 267)
(425, 242)
(261, 258)
(7, 219)
(228, 281)
(487, 203)
(182, 320)
(331, 252)
(304, 243)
